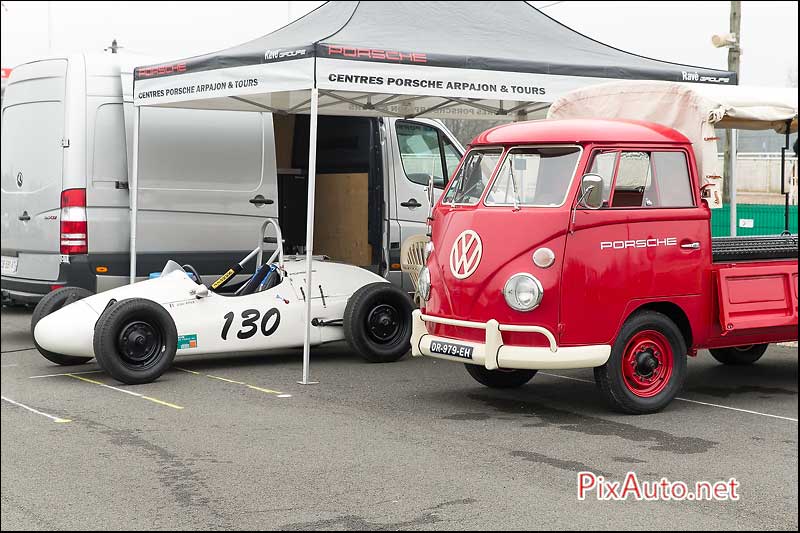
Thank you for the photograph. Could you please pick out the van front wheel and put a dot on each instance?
(647, 365)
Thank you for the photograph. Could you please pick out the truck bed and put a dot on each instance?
(730, 249)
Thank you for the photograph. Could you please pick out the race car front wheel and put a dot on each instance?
(377, 322)
(135, 341)
(51, 303)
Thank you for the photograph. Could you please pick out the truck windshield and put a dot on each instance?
(535, 177)
(473, 177)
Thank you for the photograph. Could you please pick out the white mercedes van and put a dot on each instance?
(207, 180)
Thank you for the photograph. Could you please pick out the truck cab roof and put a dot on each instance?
(570, 131)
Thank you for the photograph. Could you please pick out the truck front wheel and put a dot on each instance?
(647, 366)
(739, 355)
(500, 379)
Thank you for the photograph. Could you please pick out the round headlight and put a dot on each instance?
(428, 250)
(523, 292)
(424, 284)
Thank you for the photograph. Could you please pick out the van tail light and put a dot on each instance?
(74, 237)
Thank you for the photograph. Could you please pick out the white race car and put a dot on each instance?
(135, 331)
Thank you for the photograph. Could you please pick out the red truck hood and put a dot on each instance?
(507, 241)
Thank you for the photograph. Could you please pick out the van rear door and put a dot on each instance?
(32, 162)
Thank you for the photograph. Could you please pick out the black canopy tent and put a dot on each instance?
(465, 60)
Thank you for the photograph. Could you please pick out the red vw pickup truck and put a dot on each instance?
(586, 244)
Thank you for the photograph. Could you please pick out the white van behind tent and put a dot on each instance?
(207, 180)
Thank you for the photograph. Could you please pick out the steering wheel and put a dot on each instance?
(192, 270)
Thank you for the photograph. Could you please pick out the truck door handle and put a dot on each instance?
(24, 216)
(260, 200)
(691, 246)
(411, 203)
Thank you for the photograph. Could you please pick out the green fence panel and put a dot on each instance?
(753, 219)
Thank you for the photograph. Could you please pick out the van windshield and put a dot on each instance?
(537, 177)
(473, 177)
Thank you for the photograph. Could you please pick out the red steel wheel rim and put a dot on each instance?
(647, 363)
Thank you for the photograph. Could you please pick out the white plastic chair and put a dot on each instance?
(412, 258)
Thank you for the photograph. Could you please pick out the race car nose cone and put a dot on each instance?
(68, 331)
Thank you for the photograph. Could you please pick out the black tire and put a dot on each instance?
(377, 322)
(500, 379)
(739, 355)
(51, 303)
(135, 341)
(667, 379)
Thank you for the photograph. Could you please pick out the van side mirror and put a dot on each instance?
(591, 191)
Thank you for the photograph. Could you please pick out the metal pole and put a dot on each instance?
(732, 181)
(734, 55)
(784, 190)
(133, 190)
(312, 185)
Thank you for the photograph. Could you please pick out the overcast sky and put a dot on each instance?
(673, 31)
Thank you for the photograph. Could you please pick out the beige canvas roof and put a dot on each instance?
(693, 109)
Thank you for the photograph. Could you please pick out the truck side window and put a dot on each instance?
(672, 185)
(604, 165)
(420, 152)
(634, 177)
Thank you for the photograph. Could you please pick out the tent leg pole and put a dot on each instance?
(734, 155)
(312, 185)
(133, 191)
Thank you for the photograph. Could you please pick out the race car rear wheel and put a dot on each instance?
(51, 303)
(739, 355)
(135, 341)
(377, 322)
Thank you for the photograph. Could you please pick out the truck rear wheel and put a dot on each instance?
(377, 322)
(500, 379)
(135, 341)
(647, 366)
(51, 303)
(739, 355)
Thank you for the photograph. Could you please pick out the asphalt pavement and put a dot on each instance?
(234, 442)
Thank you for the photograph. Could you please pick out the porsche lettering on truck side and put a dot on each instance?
(641, 243)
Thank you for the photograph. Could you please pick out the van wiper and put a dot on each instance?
(513, 184)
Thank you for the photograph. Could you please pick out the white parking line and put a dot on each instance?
(67, 374)
(689, 401)
(55, 419)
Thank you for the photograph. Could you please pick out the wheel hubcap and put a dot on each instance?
(383, 323)
(647, 363)
(139, 344)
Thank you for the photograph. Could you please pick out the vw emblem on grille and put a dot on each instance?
(465, 256)
(19, 179)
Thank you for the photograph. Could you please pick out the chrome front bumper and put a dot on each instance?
(493, 354)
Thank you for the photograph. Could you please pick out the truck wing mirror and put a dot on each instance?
(591, 191)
